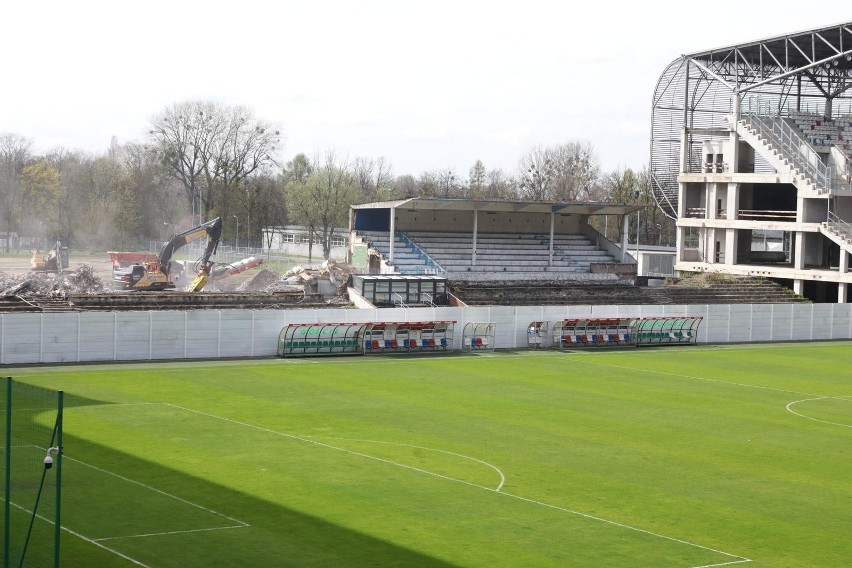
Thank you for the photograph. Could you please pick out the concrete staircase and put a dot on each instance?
(700, 289)
(787, 151)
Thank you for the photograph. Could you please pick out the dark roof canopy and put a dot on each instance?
(435, 204)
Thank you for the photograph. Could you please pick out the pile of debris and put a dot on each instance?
(328, 279)
(266, 280)
(81, 281)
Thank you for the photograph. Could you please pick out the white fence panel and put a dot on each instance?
(717, 320)
(841, 323)
(739, 323)
(203, 334)
(821, 321)
(133, 336)
(782, 322)
(801, 326)
(21, 339)
(97, 336)
(168, 335)
(240, 333)
(60, 338)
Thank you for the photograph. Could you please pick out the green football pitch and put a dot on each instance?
(678, 457)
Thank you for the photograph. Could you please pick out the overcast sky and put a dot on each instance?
(427, 85)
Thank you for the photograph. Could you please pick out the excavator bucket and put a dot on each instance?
(198, 282)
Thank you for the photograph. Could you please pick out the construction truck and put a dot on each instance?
(160, 274)
(56, 259)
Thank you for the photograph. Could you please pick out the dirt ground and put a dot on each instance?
(101, 264)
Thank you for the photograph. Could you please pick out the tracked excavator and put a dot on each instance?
(158, 275)
(56, 259)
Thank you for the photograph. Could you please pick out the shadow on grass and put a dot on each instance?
(211, 535)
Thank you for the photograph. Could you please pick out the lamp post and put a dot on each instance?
(237, 237)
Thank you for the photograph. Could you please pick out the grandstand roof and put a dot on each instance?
(745, 65)
(431, 204)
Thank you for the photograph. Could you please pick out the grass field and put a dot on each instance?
(666, 458)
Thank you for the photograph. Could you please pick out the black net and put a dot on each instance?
(31, 428)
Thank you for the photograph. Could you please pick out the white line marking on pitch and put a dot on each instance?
(495, 468)
(791, 411)
(693, 377)
(84, 538)
(738, 559)
(239, 524)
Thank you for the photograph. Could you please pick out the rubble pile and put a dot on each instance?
(81, 281)
(266, 280)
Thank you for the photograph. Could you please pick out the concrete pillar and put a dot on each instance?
(550, 256)
(798, 286)
(392, 233)
(733, 157)
(624, 238)
(710, 201)
(730, 246)
(475, 231)
(842, 293)
(844, 261)
(799, 251)
(732, 205)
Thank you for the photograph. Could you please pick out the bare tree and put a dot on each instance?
(374, 178)
(405, 186)
(477, 180)
(499, 185)
(14, 156)
(535, 172)
(213, 149)
(575, 171)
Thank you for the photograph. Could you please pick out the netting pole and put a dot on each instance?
(7, 512)
(56, 524)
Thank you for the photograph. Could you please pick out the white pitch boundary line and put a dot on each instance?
(738, 559)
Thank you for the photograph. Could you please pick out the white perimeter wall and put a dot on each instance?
(203, 334)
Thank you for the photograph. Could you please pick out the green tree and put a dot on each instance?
(42, 195)
(14, 156)
(322, 201)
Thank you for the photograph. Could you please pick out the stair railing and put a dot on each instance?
(794, 146)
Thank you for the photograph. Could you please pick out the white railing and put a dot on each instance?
(795, 147)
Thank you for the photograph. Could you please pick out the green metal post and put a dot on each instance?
(57, 526)
(7, 512)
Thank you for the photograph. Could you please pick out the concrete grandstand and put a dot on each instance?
(755, 139)
(512, 252)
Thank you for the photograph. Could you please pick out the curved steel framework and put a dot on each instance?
(808, 71)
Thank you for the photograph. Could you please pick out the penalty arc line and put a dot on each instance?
(738, 559)
(495, 468)
(791, 411)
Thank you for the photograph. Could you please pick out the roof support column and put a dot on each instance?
(624, 226)
(392, 233)
(475, 229)
(734, 158)
(552, 221)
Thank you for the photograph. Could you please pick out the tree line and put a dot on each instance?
(203, 159)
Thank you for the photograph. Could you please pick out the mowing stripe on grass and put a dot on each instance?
(737, 559)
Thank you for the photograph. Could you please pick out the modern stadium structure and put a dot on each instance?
(755, 139)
